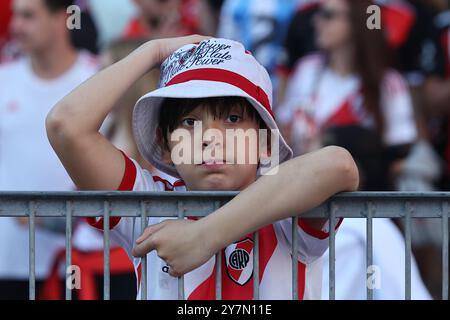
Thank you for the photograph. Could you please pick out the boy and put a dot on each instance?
(217, 85)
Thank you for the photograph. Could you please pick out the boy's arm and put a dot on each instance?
(72, 125)
(300, 184)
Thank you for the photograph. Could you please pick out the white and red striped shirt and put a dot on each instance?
(237, 281)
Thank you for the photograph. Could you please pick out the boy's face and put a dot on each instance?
(223, 150)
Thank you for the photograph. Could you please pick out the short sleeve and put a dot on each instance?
(124, 229)
(397, 107)
(312, 243)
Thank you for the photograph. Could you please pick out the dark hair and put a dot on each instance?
(57, 5)
(370, 57)
(173, 109)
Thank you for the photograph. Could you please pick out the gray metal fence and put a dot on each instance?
(369, 205)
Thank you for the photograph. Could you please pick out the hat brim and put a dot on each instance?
(147, 109)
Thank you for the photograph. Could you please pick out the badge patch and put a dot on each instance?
(239, 261)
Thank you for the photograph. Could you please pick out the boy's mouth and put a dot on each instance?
(213, 164)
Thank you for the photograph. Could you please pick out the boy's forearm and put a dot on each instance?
(301, 184)
(86, 107)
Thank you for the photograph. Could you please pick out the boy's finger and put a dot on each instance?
(149, 231)
(143, 248)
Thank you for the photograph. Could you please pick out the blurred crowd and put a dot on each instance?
(381, 92)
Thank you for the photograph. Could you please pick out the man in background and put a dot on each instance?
(51, 68)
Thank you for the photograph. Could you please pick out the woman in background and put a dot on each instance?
(347, 91)
(346, 95)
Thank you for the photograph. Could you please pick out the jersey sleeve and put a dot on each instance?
(125, 230)
(312, 242)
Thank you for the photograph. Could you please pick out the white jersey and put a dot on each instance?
(317, 97)
(388, 274)
(27, 161)
(237, 268)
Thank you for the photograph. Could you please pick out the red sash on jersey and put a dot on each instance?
(345, 114)
(234, 286)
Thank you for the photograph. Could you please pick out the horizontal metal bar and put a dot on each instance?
(199, 204)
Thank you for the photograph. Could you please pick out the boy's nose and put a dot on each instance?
(212, 133)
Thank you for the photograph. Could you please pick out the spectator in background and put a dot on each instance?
(260, 25)
(169, 18)
(406, 25)
(50, 69)
(348, 86)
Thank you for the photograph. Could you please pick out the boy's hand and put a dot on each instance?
(182, 244)
(169, 45)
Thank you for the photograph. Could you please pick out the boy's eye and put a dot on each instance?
(233, 118)
(188, 122)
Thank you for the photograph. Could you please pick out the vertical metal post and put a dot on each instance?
(68, 248)
(144, 258)
(408, 213)
(256, 265)
(294, 258)
(332, 263)
(106, 257)
(369, 248)
(32, 251)
(445, 208)
(218, 265)
(180, 279)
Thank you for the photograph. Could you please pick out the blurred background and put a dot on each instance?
(375, 80)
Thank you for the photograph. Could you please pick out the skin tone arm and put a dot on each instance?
(72, 125)
(300, 184)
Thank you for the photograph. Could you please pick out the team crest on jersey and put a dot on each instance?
(239, 261)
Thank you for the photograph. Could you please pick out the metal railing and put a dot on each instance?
(369, 205)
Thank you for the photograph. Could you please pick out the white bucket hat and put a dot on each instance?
(211, 68)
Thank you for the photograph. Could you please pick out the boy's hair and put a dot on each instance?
(173, 109)
(57, 5)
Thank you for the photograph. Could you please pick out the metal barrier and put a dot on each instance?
(369, 205)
